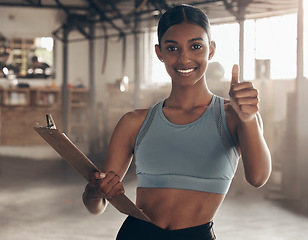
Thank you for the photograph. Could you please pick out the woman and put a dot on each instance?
(186, 147)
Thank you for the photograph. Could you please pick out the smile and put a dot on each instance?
(185, 71)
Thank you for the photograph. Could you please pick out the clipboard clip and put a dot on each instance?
(50, 122)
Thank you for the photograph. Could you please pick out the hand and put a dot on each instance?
(104, 185)
(243, 97)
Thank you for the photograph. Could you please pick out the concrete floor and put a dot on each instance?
(41, 200)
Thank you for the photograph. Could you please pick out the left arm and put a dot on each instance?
(255, 153)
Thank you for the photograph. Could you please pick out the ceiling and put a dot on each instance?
(121, 15)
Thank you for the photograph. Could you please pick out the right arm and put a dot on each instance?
(119, 155)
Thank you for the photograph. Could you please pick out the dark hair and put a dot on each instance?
(180, 14)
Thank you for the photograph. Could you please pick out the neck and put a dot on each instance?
(189, 97)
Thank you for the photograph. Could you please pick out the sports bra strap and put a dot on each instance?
(221, 124)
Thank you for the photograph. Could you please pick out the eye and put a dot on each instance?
(196, 46)
(172, 48)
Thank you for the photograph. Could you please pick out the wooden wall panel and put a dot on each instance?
(17, 124)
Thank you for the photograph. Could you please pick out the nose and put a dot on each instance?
(184, 57)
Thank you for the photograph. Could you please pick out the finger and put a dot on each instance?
(113, 186)
(242, 86)
(235, 79)
(114, 179)
(109, 176)
(96, 175)
(252, 93)
(247, 101)
(101, 175)
(92, 175)
(117, 190)
(109, 181)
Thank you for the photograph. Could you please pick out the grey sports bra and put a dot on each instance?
(198, 156)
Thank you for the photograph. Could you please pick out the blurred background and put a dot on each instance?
(87, 62)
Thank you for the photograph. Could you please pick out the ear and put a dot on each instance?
(158, 52)
(212, 49)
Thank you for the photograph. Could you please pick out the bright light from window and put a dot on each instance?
(159, 73)
(271, 38)
(44, 42)
(47, 43)
(226, 37)
(276, 40)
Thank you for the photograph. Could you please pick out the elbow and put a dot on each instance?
(258, 181)
(95, 212)
(257, 176)
(256, 184)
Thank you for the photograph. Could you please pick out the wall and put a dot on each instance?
(33, 22)
(113, 70)
(28, 22)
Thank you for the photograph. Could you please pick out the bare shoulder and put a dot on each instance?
(121, 145)
(134, 118)
(129, 124)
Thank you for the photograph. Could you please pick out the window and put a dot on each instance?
(227, 48)
(270, 40)
(20, 55)
(276, 40)
(155, 70)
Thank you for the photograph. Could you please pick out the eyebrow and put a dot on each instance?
(196, 39)
(191, 40)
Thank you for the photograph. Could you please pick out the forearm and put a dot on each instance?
(94, 205)
(255, 153)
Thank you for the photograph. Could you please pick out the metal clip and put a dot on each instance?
(50, 123)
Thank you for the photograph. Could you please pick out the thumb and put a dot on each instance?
(235, 71)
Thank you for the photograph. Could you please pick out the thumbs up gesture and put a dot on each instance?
(243, 97)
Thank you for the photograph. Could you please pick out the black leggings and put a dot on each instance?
(136, 229)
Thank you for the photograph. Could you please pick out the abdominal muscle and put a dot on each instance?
(176, 208)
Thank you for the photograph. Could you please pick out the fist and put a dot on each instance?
(104, 185)
(244, 98)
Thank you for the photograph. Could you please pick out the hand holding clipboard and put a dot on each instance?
(66, 149)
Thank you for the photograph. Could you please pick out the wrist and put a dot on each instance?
(249, 121)
(254, 124)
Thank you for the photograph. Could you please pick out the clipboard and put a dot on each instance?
(80, 162)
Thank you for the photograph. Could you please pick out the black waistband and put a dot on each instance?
(138, 229)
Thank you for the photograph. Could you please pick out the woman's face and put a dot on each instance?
(185, 50)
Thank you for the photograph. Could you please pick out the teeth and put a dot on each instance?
(185, 71)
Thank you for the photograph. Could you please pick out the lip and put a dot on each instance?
(185, 71)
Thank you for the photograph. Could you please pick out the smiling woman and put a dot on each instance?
(186, 147)
(185, 50)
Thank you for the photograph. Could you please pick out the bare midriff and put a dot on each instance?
(176, 209)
